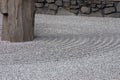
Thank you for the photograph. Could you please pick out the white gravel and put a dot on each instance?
(65, 48)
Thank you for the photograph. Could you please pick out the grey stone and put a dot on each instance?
(39, 5)
(52, 12)
(53, 6)
(109, 10)
(85, 9)
(62, 11)
(50, 1)
(39, 1)
(66, 4)
(73, 2)
(74, 7)
(59, 3)
(74, 11)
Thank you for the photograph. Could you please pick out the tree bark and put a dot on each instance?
(4, 6)
(5, 28)
(18, 25)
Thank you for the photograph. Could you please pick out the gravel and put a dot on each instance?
(65, 48)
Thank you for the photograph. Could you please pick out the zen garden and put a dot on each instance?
(60, 40)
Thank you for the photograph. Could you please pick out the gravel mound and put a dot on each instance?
(65, 48)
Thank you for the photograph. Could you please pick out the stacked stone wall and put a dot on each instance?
(65, 7)
(53, 6)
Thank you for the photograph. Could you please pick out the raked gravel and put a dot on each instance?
(65, 48)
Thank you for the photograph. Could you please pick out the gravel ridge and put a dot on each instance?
(65, 48)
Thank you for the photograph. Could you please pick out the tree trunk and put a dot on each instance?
(18, 25)
(5, 28)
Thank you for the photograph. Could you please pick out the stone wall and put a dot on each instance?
(64, 7)
(53, 6)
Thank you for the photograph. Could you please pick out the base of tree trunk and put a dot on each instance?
(18, 22)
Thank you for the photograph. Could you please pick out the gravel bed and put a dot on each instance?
(65, 48)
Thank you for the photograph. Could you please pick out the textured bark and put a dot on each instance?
(4, 6)
(18, 25)
(5, 30)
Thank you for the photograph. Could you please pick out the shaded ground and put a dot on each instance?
(65, 48)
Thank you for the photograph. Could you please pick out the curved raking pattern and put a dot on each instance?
(88, 42)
